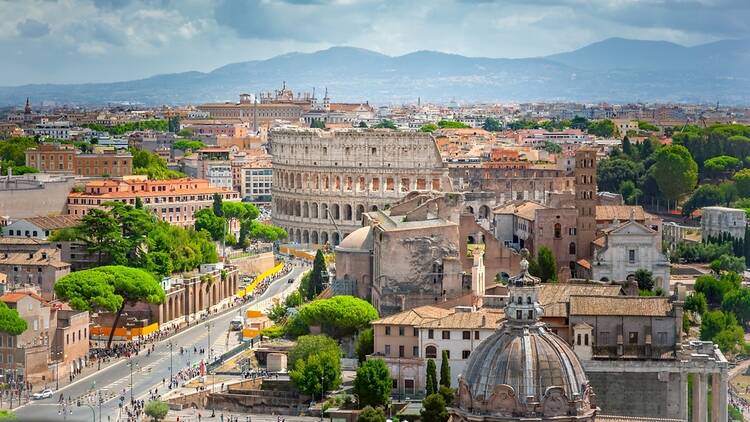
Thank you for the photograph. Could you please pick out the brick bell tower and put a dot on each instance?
(586, 200)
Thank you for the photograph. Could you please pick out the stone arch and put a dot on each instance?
(335, 239)
(469, 210)
(305, 210)
(297, 208)
(305, 237)
(314, 237)
(360, 211)
(323, 237)
(298, 236)
(484, 211)
(313, 210)
(430, 352)
(315, 182)
(347, 212)
(298, 180)
(324, 183)
(335, 211)
(337, 183)
(374, 208)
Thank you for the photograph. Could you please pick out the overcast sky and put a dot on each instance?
(72, 41)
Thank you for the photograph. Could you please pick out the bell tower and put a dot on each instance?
(586, 200)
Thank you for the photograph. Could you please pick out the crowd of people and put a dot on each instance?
(134, 410)
(263, 285)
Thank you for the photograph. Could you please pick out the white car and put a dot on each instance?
(44, 394)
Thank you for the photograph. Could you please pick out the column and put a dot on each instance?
(700, 411)
(719, 398)
(684, 396)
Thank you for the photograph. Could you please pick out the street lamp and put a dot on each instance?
(170, 362)
(131, 377)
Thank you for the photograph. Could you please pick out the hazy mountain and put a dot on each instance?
(612, 70)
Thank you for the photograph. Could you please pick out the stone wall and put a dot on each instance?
(651, 394)
(254, 264)
(49, 198)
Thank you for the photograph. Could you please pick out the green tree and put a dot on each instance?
(451, 124)
(547, 264)
(675, 171)
(365, 344)
(11, 322)
(362, 124)
(627, 148)
(309, 345)
(386, 124)
(429, 128)
(207, 220)
(448, 394)
(445, 370)
(318, 373)
(373, 383)
(267, 232)
(721, 328)
(151, 165)
(218, 205)
(645, 279)
(317, 275)
(317, 124)
(491, 124)
(552, 147)
(650, 127)
(742, 181)
(434, 409)
(579, 122)
(612, 172)
(188, 145)
(704, 196)
(338, 316)
(728, 262)
(101, 235)
(737, 301)
(277, 313)
(156, 410)
(7, 414)
(696, 302)
(370, 414)
(109, 288)
(714, 288)
(185, 133)
(721, 166)
(603, 128)
(630, 194)
(138, 203)
(431, 379)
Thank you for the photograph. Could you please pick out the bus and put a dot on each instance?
(236, 323)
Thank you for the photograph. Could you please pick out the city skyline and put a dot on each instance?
(102, 41)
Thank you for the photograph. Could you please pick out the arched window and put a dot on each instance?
(572, 248)
(430, 352)
(558, 231)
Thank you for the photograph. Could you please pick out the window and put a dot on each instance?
(387, 350)
(446, 335)
(430, 352)
(631, 256)
(572, 248)
(586, 339)
(519, 315)
(387, 330)
(603, 338)
(430, 333)
(400, 351)
(415, 351)
(395, 384)
(578, 339)
(401, 331)
(467, 335)
(476, 335)
(633, 337)
(572, 231)
(558, 231)
(36, 325)
(416, 332)
(530, 315)
(465, 354)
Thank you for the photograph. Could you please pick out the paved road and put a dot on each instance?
(148, 371)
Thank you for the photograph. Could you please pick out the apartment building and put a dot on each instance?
(38, 268)
(62, 158)
(174, 201)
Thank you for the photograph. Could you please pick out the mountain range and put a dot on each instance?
(614, 70)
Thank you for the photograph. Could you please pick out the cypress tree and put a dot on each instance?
(431, 379)
(445, 370)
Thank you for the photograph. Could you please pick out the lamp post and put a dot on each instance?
(131, 378)
(170, 362)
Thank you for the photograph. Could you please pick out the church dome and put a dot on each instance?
(358, 240)
(523, 370)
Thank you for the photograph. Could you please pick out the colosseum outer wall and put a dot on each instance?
(327, 176)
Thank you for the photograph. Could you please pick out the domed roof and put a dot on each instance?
(358, 240)
(523, 369)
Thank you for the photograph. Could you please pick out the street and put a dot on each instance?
(146, 372)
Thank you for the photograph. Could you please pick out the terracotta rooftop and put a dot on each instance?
(485, 318)
(54, 222)
(554, 298)
(525, 210)
(621, 212)
(620, 306)
(22, 258)
(415, 316)
(14, 297)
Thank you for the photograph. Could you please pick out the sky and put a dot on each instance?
(81, 41)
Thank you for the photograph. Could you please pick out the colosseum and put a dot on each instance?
(324, 180)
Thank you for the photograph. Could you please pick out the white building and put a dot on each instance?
(626, 248)
(256, 184)
(57, 130)
(40, 227)
(218, 175)
(458, 334)
(716, 221)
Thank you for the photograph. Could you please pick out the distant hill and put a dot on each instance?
(615, 69)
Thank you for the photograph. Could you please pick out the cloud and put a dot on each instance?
(32, 28)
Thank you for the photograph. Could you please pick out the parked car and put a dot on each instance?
(44, 394)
